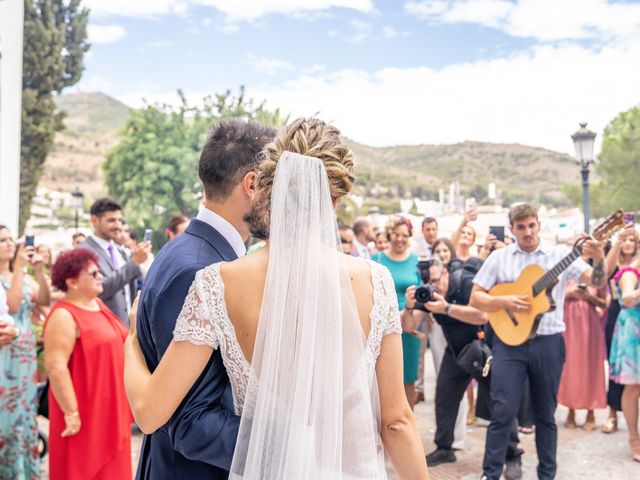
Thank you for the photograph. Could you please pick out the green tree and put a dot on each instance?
(619, 161)
(55, 41)
(153, 170)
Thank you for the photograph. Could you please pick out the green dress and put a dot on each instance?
(404, 275)
(19, 456)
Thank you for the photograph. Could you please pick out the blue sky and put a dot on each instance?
(385, 72)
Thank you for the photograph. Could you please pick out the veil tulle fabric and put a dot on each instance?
(311, 409)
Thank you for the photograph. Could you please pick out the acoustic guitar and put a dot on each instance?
(515, 328)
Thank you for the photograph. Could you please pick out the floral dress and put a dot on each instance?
(624, 358)
(19, 456)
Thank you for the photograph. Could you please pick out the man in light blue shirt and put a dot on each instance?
(541, 358)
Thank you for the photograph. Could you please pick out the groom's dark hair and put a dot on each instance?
(231, 151)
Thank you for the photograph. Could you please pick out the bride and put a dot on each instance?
(310, 337)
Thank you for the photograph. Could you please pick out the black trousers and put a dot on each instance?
(542, 359)
(451, 385)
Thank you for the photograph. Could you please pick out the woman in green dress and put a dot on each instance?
(403, 266)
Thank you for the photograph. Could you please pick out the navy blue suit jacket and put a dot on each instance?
(199, 440)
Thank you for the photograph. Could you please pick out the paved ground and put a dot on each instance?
(581, 455)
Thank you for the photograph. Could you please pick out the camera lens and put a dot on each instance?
(424, 293)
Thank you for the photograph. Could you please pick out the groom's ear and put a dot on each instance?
(249, 184)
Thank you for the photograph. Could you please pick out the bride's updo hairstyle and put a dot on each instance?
(306, 136)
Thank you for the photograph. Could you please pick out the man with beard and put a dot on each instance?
(199, 440)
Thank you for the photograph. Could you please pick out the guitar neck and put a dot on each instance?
(552, 275)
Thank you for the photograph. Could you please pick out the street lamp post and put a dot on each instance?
(78, 196)
(583, 141)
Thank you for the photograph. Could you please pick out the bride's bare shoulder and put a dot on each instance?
(358, 268)
(245, 268)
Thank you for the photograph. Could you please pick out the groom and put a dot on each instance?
(199, 440)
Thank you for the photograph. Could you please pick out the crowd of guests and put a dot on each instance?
(77, 309)
(82, 302)
(601, 366)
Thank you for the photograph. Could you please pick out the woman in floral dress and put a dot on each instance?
(625, 350)
(19, 456)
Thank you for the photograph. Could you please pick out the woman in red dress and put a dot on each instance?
(90, 419)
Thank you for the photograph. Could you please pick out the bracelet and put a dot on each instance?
(72, 414)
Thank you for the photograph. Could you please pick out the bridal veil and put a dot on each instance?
(311, 408)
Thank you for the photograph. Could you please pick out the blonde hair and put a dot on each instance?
(306, 136)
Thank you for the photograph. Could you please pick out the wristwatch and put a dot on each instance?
(447, 310)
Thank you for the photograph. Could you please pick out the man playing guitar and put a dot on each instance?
(542, 357)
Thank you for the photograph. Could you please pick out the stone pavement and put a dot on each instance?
(581, 455)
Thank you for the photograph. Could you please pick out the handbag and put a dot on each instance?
(475, 358)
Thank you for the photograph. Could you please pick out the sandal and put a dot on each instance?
(570, 423)
(635, 449)
(610, 425)
(589, 426)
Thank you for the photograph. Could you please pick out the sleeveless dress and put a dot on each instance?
(101, 450)
(404, 274)
(204, 321)
(583, 381)
(19, 456)
(624, 359)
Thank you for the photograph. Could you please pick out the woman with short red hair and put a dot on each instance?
(90, 419)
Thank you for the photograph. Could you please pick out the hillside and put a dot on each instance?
(520, 172)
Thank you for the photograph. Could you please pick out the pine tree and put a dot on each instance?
(55, 41)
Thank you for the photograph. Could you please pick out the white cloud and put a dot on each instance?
(101, 34)
(234, 10)
(248, 10)
(136, 8)
(268, 66)
(534, 98)
(160, 44)
(360, 31)
(227, 28)
(545, 20)
(390, 32)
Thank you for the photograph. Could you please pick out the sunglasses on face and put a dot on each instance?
(94, 273)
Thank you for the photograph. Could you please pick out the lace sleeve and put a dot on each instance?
(195, 322)
(391, 322)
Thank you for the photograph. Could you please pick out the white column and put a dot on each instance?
(11, 28)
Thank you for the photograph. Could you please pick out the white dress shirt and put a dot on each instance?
(120, 262)
(422, 249)
(361, 249)
(506, 264)
(225, 229)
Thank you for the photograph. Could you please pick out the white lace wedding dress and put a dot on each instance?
(204, 321)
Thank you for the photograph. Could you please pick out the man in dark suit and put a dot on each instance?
(120, 272)
(199, 440)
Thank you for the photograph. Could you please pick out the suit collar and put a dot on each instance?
(214, 238)
(98, 249)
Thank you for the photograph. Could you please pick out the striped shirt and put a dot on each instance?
(506, 264)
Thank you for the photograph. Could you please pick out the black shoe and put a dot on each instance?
(440, 455)
(513, 471)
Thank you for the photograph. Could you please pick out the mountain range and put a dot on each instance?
(384, 175)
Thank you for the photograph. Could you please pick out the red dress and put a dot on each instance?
(102, 448)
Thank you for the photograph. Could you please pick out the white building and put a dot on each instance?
(11, 26)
